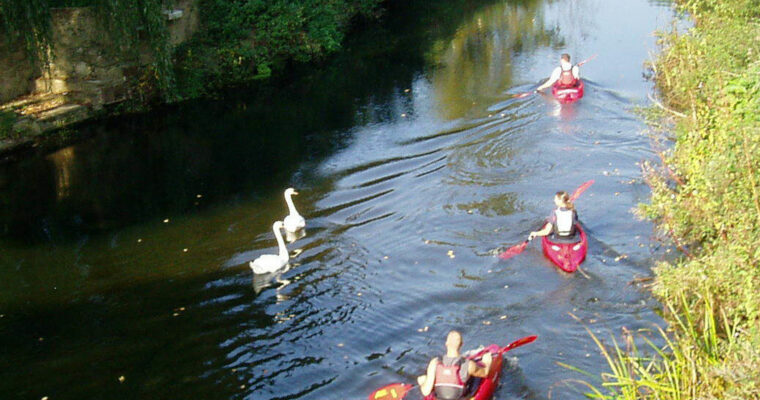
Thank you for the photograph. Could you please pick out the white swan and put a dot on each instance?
(272, 262)
(294, 221)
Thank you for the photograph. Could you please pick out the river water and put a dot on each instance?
(124, 258)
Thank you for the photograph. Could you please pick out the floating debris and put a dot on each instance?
(450, 253)
(503, 317)
(385, 257)
(340, 344)
(166, 221)
(425, 329)
(139, 240)
(184, 250)
(122, 379)
(198, 196)
(359, 294)
(403, 115)
(486, 322)
(406, 90)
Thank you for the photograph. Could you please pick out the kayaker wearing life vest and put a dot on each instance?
(561, 223)
(566, 74)
(448, 377)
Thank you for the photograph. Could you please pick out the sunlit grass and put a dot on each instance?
(689, 362)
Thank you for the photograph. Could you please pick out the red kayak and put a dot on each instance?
(568, 94)
(566, 256)
(487, 385)
(484, 387)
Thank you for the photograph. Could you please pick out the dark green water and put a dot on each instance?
(414, 166)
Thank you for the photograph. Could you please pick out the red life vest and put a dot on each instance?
(566, 78)
(448, 382)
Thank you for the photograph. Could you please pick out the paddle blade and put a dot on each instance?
(580, 190)
(587, 60)
(518, 343)
(521, 95)
(514, 250)
(394, 391)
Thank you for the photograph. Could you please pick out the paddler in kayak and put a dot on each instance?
(448, 377)
(561, 223)
(566, 74)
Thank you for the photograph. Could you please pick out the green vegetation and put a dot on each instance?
(239, 40)
(243, 40)
(706, 198)
(7, 119)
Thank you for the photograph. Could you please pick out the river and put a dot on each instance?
(124, 257)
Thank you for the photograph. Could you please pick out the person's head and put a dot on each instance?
(565, 57)
(453, 341)
(562, 199)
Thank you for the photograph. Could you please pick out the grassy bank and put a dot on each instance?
(706, 199)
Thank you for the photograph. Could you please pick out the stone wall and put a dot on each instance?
(87, 67)
(16, 71)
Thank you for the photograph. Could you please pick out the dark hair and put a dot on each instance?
(565, 57)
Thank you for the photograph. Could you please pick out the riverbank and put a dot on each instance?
(706, 200)
(90, 60)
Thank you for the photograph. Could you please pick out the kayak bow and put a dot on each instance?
(566, 256)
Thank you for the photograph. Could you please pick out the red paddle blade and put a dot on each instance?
(514, 250)
(518, 343)
(394, 391)
(580, 190)
(587, 60)
(521, 95)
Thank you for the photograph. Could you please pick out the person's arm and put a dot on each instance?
(427, 381)
(543, 232)
(478, 371)
(576, 72)
(553, 78)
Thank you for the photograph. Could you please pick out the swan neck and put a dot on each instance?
(281, 244)
(291, 207)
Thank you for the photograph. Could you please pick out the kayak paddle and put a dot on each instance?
(582, 188)
(513, 345)
(521, 95)
(394, 391)
(586, 60)
(515, 250)
(518, 248)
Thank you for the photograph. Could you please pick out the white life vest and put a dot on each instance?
(565, 221)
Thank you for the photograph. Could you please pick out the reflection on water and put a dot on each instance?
(126, 255)
(476, 63)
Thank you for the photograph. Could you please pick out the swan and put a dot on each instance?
(294, 221)
(272, 262)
